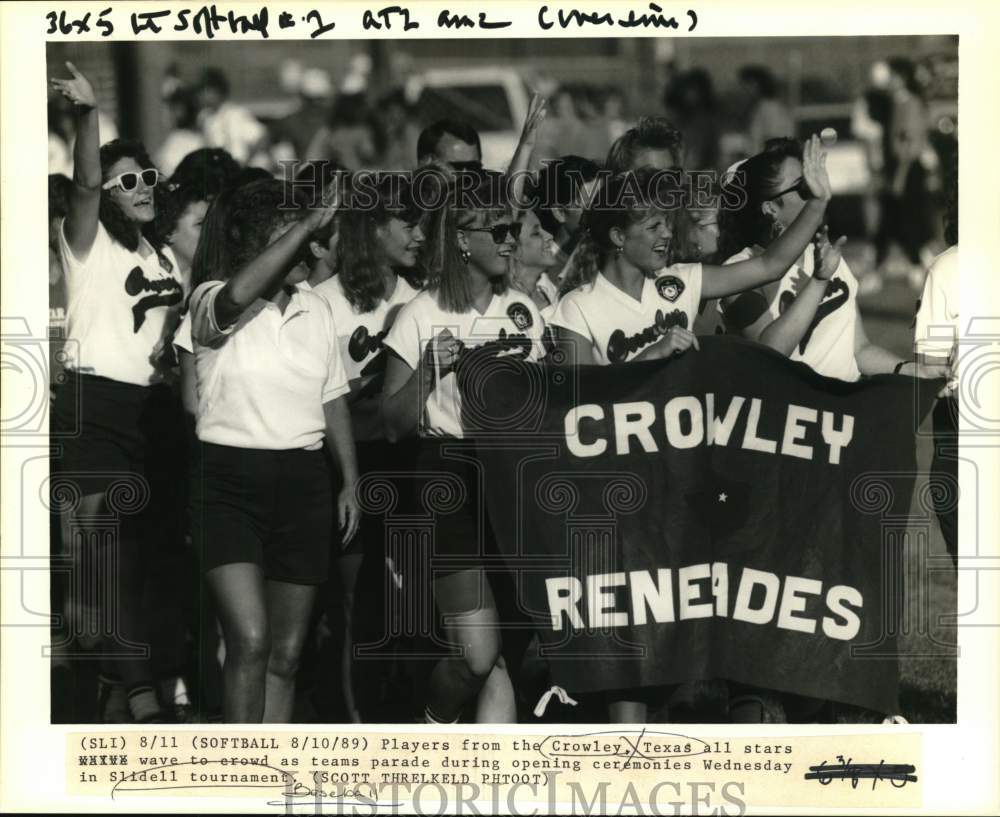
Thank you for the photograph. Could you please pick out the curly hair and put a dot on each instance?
(119, 226)
(755, 182)
(622, 200)
(238, 225)
(650, 133)
(359, 258)
(468, 206)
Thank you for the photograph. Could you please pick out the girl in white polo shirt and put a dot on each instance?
(120, 290)
(623, 302)
(365, 296)
(271, 390)
(467, 305)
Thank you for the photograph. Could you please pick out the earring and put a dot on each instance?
(619, 250)
(466, 255)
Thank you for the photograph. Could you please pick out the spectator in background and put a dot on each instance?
(348, 137)
(299, 127)
(614, 113)
(62, 134)
(577, 124)
(226, 124)
(690, 101)
(185, 136)
(905, 202)
(768, 117)
(653, 142)
(397, 131)
(455, 143)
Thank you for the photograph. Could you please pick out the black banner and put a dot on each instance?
(719, 515)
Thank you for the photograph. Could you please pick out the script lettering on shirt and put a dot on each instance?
(165, 292)
(834, 297)
(620, 345)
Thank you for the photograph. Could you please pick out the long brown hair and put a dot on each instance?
(463, 206)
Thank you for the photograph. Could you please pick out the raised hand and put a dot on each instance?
(320, 216)
(826, 256)
(77, 90)
(814, 169)
(537, 109)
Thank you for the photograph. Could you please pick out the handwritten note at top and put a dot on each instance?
(209, 21)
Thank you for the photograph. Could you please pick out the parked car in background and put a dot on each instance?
(493, 100)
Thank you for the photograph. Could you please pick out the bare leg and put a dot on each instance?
(348, 566)
(467, 603)
(496, 702)
(240, 603)
(288, 609)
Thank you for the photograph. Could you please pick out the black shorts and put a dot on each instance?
(270, 508)
(450, 494)
(105, 429)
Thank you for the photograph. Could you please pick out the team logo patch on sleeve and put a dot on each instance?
(520, 315)
(669, 287)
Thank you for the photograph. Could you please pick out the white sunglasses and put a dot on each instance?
(129, 181)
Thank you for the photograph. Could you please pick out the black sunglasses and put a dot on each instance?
(499, 231)
(801, 187)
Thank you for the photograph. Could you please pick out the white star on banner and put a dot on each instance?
(722, 497)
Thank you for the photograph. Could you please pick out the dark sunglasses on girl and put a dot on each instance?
(130, 181)
(499, 231)
(801, 187)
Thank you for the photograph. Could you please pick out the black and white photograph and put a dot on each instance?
(273, 343)
(528, 395)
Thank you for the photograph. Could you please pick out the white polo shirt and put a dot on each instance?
(117, 304)
(937, 331)
(620, 327)
(511, 321)
(828, 345)
(361, 334)
(263, 381)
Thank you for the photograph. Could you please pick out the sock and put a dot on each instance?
(142, 703)
(431, 718)
(173, 690)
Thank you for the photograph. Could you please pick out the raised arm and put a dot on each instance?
(85, 197)
(520, 163)
(786, 248)
(264, 271)
(785, 332)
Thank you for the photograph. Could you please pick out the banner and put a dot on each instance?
(719, 515)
